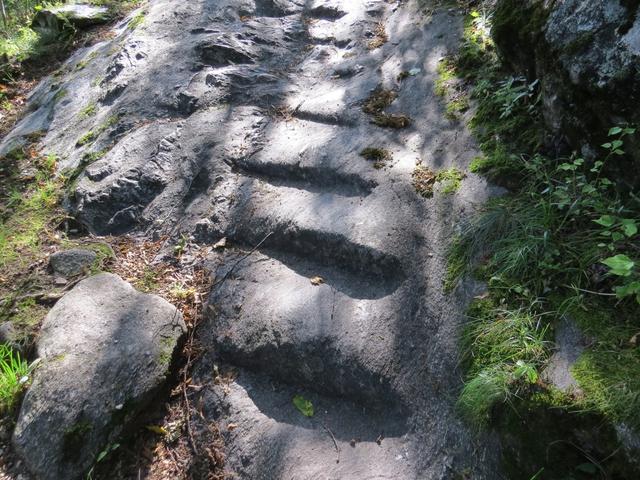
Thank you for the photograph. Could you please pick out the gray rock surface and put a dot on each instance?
(243, 120)
(8, 334)
(105, 350)
(570, 342)
(586, 54)
(69, 263)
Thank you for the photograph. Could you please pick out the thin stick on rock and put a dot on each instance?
(335, 443)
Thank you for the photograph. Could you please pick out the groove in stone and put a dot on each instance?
(311, 178)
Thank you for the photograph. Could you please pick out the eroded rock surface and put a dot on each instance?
(242, 120)
(105, 350)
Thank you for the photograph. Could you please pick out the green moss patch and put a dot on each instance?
(450, 180)
(426, 180)
(89, 110)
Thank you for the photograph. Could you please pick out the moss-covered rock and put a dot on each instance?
(586, 54)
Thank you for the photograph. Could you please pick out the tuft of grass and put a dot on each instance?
(447, 75)
(451, 89)
(22, 229)
(149, 280)
(82, 64)
(608, 373)
(14, 372)
(451, 179)
(26, 318)
(425, 180)
(391, 120)
(504, 350)
(60, 94)
(91, 136)
(137, 20)
(89, 110)
(87, 138)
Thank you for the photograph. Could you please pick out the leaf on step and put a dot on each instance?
(304, 405)
(317, 281)
(157, 429)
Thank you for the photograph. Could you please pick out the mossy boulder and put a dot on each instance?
(104, 351)
(586, 54)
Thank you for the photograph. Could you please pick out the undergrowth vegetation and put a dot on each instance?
(563, 243)
(33, 225)
(14, 374)
(19, 42)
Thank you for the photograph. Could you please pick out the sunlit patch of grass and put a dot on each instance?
(450, 180)
(89, 110)
(504, 350)
(20, 45)
(14, 373)
(22, 231)
(137, 20)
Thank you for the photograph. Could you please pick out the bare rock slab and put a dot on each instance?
(105, 350)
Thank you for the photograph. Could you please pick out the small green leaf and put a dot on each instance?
(629, 227)
(567, 167)
(606, 145)
(616, 144)
(475, 14)
(620, 265)
(606, 221)
(616, 237)
(304, 405)
(527, 371)
(629, 131)
(615, 131)
(632, 288)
